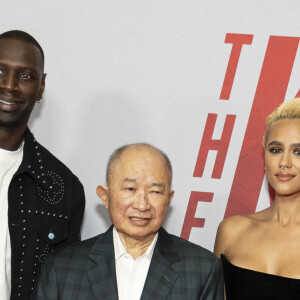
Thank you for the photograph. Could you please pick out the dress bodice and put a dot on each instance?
(245, 284)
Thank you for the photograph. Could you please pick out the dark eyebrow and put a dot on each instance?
(295, 145)
(19, 67)
(129, 180)
(28, 70)
(275, 143)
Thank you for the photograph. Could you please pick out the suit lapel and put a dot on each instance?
(102, 275)
(161, 277)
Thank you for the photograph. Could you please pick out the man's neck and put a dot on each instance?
(135, 247)
(11, 138)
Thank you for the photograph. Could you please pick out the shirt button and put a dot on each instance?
(51, 236)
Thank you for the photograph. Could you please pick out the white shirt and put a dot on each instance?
(9, 164)
(131, 273)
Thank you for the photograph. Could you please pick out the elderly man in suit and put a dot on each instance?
(136, 258)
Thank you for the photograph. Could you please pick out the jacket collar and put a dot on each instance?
(104, 247)
(160, 278)
(102, 275)
(33, 162)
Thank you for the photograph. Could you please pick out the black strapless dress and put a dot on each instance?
(245, 284)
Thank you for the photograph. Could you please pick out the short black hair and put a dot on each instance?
(23, 36)
(117, 153)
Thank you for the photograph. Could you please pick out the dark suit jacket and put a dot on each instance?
(86, 270)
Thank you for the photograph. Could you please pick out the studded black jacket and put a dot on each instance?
(45, 210)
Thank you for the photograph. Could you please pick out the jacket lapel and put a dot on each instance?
(161, 277)
(102, 275)
(33, 163)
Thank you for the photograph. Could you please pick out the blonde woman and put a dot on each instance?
(261, 252)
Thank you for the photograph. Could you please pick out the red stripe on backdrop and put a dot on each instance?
(271, 89)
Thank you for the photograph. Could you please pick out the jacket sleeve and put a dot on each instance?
(78, 206)
(46, 287)
(214, 286)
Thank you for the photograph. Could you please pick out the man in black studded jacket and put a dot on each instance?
(41, 201)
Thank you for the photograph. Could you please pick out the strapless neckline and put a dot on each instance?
(257, 272)
(247, 284)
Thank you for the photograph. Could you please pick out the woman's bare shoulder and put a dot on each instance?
(238, 223)
(230, 230)
(235, 224)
